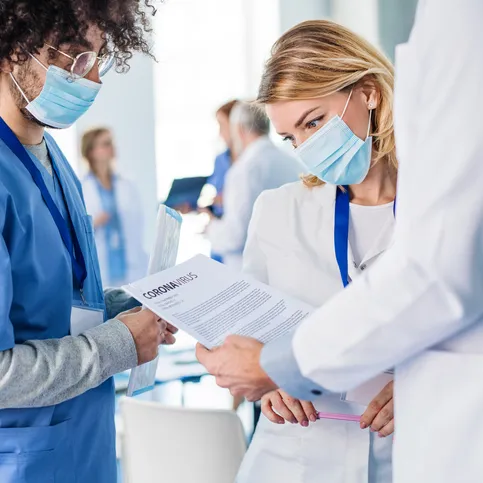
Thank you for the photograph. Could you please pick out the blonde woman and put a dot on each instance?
(329, 93)
(115, 205)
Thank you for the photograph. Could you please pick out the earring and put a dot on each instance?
(371, 105)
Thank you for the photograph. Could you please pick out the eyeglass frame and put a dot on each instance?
(75, 59)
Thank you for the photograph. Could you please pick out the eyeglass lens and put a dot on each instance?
(84, 63)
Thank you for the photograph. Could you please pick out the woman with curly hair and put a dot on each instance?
(56, 354)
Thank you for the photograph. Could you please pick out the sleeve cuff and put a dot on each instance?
(278, 361)
(116, 347)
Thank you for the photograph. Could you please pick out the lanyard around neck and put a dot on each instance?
(341, 231)
(68, 236)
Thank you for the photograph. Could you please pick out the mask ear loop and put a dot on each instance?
(18, 85)
(38, 61)
(347, 103)
(19, 88)
(369, 125)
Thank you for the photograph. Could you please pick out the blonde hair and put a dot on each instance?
(318, 58)
(88, 142)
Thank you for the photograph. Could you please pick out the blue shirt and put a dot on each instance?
(217, 179)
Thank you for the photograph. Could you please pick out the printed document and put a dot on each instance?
(210, 301)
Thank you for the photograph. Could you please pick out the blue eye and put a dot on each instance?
(314, 123)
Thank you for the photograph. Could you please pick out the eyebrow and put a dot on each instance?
(304, 116)
(78, 47)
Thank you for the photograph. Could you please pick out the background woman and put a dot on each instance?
(114, 204)
(329, 93)
(224, 160)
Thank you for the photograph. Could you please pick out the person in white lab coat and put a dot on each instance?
(113, 202)
(259, 166)
(291, 247)
(420, 309)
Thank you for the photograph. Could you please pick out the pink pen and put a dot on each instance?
(339, 417)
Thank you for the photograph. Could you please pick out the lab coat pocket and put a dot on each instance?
(35, 454)
(274, 455)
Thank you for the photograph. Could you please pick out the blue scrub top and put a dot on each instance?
(73, 441)
(114, 235)
(217, 179)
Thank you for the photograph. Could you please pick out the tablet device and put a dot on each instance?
(186, 191)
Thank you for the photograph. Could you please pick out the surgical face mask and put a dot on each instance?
(335, 154)
(62, 100)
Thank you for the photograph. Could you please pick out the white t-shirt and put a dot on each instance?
(367, 224)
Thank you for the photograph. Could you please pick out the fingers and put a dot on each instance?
(162, 325)
(289, 408)
(309, 410)
(269, 413)
(171, 328)
(376, 405)
(387, 430)
(279, 405)
(295, 406)
(169, 339)
(384, 417)
(203, 356)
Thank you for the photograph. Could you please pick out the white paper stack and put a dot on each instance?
(163, 256)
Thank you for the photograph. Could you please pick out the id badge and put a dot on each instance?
(84, 318)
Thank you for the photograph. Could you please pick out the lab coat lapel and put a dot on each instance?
(382, 243)
(351, 264)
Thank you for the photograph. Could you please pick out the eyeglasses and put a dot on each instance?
(83, 63)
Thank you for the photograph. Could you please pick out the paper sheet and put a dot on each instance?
(163, 255)
(210, 301)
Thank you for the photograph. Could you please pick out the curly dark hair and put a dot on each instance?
(29, 24)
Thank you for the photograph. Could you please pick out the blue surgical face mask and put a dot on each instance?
(335, 154)
(63, 99)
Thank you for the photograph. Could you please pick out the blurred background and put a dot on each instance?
(162, 126)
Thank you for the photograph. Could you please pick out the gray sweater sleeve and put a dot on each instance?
(46, 372)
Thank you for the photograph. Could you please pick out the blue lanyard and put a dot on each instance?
(68, 236)
(341, 231)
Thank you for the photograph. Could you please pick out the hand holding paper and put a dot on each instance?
(209, 301)
(169, 334)
(212, 303)
(147, 330)
(236, 366)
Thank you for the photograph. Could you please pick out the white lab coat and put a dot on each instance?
(421, 307)
(131, 217)
(261, 166)
(291, 247)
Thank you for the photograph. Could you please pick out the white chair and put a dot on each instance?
(179, 445)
